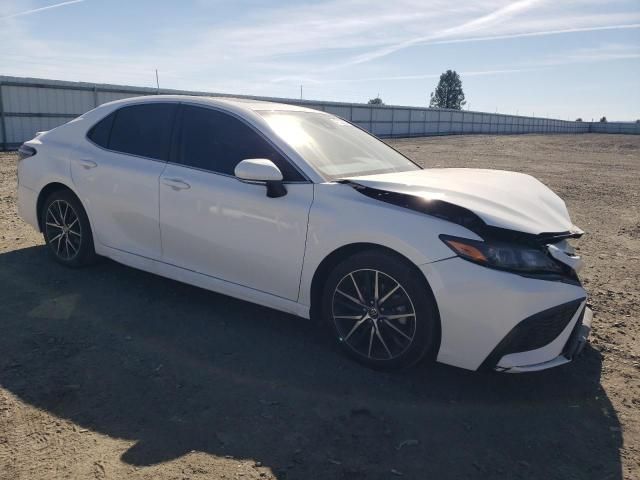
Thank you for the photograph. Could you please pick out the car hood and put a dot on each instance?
(509, 200)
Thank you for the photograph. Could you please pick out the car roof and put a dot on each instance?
(230, 103)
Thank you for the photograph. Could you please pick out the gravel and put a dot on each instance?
(109, 372)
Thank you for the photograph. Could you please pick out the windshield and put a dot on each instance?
(335, 148)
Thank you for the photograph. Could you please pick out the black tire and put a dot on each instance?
(406, 327)
(66, 230)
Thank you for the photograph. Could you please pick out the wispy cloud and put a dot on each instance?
(602, 53)
(41, 9)
(495, 17)
(534, 34)
(393, 78)
(273, 47)
(338, 35)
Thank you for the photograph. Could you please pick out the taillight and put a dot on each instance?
(26, 151)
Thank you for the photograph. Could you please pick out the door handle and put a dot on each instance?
(86, 163)
(176, 183)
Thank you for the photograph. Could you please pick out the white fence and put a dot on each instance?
(28, 105)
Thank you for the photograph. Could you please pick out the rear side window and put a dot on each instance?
(99, 133)
(216, 141)
(143, 130)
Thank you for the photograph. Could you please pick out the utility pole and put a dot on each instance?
(157, 83)
(300, 92)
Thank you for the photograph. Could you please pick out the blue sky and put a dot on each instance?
(557, 58)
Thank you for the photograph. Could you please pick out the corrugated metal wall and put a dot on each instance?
(29, 105)
(631, 128)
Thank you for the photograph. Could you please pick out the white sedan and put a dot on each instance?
(301, 211)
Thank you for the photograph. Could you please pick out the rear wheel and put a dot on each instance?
(381, 312)
(66, 230)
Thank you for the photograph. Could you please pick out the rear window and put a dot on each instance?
(143, 130)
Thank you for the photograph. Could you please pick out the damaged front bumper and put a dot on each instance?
(574, 346)
(496, 320)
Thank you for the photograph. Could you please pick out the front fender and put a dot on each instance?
(341, 216)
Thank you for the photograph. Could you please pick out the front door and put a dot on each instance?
(212, 223)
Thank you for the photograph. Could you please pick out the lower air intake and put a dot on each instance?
(534, 332)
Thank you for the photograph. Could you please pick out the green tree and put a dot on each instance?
(579, 119)
(448, 93)
(603, 120)
(376, 101)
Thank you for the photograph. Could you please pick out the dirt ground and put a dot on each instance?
(109, 372)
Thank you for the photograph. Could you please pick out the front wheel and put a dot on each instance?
(66, 229)
(380, 311)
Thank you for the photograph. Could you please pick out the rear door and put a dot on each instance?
(215, 224)
(116, 173)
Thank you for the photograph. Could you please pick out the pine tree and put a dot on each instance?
(448, 93)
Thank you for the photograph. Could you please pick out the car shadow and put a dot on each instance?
(178, 369)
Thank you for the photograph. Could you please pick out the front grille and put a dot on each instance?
(534, 332)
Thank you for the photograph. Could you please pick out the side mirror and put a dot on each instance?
(262, 171)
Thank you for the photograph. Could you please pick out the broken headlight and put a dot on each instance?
(503, 256)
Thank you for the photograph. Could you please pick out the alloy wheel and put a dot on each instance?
(63, 230)
(373, 314)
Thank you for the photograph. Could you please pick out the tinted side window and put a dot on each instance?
(99, 133)
(143, 130)
(216, 141)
